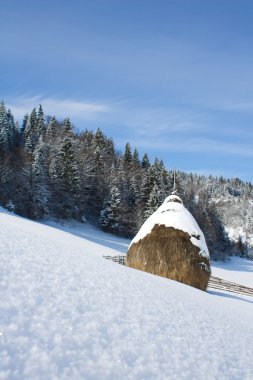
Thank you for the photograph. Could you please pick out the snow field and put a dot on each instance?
(236, 270)
(65, 312)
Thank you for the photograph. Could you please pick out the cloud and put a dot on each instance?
(198, 145)
(131, 114)
(161, 128)
(145, 120)
(61, 108)
(157, 121)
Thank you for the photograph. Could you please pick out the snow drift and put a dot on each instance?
(67, 313)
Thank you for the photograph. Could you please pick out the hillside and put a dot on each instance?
(66, 312)
(64, 174)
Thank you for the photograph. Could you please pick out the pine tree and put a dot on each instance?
(23, 128)
(67, 130)
(153, 202)
(56, 183)
(130, 208)
(50, 131)
(69, 174)
(41, 121)
(12, 131)
(110, 215)
(98, 139)
(31, 135)
(134, 192)
(120, 177)
(127, 155)
(17, 135)
(4, 129)
(135, 160)
(40, 181)
(145, 190)
(24, 123)
(145, 162)
(99, 162)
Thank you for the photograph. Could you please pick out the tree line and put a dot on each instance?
(49, 170)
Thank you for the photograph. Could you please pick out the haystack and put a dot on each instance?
(171, 244)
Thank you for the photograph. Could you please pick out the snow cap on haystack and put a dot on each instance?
(171, 244)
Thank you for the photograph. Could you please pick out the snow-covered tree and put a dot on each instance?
(79, 171)
(31, 135)
(50, 129)
(40, 181)
(41, 127)
(4, 129)
(127, 154)
(154, 201)
(111, 214)
(68, 173)
(145, 161)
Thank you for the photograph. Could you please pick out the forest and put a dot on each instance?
(49, 170)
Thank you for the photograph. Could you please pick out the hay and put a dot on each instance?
(169, 252)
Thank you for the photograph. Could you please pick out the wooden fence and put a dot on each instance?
(117, 259)
(219, 283)
(214, 282)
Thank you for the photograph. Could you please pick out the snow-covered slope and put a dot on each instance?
(67, 313)
(109, 244)
(236, 270)
(172, 213)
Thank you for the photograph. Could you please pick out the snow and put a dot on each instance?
(172, 213)
(67, 313)
(237, 270)
(114, 245)
(234, 232)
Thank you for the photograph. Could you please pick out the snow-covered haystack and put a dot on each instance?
(171, 244)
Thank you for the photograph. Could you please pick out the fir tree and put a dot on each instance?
(153, 202)
(67, 130)
(4, 129)
(98, 139)
(69, 174)
(99, 162)
(31, 134)
(40, 181)
(41, 121)
(12, 131)
(111, 213)
(127, 154)
(50, 131)
(23, 128)
(135, 160)
(145, 162)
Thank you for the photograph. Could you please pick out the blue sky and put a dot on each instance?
(172, 77)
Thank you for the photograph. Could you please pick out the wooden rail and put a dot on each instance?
(228, 286)
(214, 282)
(121, 259)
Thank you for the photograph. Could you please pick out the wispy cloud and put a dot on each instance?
(198, 145)
(159, 120)
(61, 108)
(161, 128)
(131, 114)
